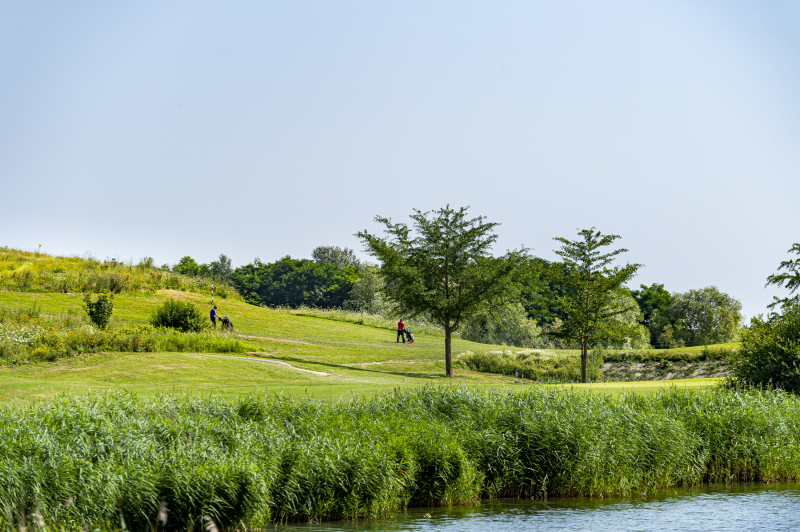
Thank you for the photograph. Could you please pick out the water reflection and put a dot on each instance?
(749, 507)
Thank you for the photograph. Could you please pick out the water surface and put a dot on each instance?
(744, 507)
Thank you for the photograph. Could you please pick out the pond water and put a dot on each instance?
(743, 507)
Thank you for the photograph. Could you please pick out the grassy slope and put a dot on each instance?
(358, 359)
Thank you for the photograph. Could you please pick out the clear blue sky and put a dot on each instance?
(132, 129)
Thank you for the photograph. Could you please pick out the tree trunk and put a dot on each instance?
(584, 357)
(448, 358)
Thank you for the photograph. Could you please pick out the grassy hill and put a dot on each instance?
(298, 352)
(25, 271)
(324, 358)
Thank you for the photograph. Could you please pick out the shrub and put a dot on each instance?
(178, 315)
(99, 311)
(770, 352)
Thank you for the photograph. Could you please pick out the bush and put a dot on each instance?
(178, 315)
(99, 311)
(770, 352)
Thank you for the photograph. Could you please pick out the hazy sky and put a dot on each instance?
(132, 129)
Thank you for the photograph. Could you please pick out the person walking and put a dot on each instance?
(214, 316)
(401, 331)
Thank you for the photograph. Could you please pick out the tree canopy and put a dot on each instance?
(295, 282)
(341, 257)
(445, 269)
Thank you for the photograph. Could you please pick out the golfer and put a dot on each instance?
(214, 316)
(401, 331)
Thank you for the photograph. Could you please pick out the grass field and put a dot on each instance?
(342, 358)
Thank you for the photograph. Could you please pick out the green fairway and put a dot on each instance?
(339, 358)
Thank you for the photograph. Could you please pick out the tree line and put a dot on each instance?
(442, 266)
(648, 316)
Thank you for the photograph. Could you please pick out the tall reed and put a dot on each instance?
(260, 460)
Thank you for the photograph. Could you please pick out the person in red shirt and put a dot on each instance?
(401, 331)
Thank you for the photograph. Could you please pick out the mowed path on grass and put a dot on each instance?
(356, 359)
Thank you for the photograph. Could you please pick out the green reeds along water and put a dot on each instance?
(115, 459)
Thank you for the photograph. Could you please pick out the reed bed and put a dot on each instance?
(106, 459)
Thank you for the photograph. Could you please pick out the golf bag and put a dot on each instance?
(410, 336)
(226, 323)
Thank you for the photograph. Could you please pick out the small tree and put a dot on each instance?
(366, 294)
(588, 304)
(446, 270)
(187, 266)
(99, 311)
(791, 277)
(221, 268)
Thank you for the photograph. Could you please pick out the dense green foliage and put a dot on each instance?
(295, 282)
(339, 257)
(651, 298)
(507, 325)
(81, 461)
(770, 352)
(445, 270)
(99, 311)
(790, 277)
(590, 303)
(180, 315)
(219, 270)
(697, 317)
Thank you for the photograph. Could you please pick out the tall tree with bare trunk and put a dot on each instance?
(444, 270)
(589, 284)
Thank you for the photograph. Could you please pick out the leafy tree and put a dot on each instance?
(341, 257)
(507, 325)
(770, 351)
(295, 282)
(705, 316)
(445, 270)
(187, 266)
(589, 306)
(99, 311)
(366, 295)
(221, 268)
(791, 277)
(650, 298)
